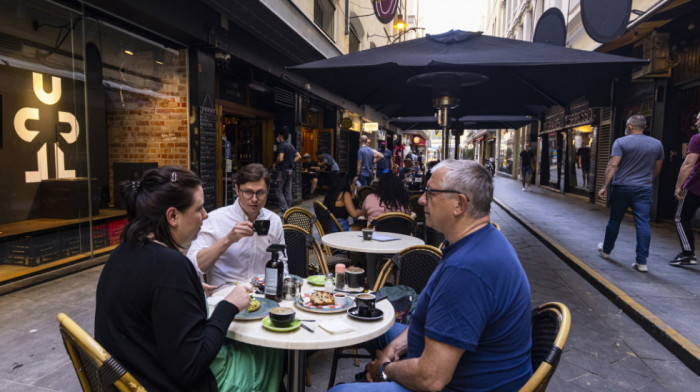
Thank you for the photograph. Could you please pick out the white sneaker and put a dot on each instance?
(601, 252)
(640, 267)
(529, 189)
(523, 189)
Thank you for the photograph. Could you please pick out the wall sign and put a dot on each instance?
(385, 10)
(346, 122)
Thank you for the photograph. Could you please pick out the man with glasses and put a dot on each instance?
(471, 329)
(227, 248)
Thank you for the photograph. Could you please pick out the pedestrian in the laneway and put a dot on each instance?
(151, 310)
(287, 155)
(227, 248)
(384, 164)
(471, 329)
(688, 195)
(366, 158)
(635, 161)
(526, 167)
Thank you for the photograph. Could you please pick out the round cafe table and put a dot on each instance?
(352, 241)
(299, 340)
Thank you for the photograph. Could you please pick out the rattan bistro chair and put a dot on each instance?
(95, 368)
(323, 224)
(298, 216)
(363, 192)
(550, 328)
(394, 222)
(413, 267)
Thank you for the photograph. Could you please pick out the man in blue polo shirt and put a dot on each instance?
(366, 158)
(471, 329)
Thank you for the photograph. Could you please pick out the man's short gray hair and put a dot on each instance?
(637, 121)
(363, 140)
(472, 179)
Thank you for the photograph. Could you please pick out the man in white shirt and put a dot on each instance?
(227, 248)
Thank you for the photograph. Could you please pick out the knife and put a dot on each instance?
(307, 328)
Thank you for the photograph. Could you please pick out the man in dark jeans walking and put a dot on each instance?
(688, 195)
(526, 167)
(635, 161)
(287, 155)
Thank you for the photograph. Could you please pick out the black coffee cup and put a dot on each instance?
(365, 304)
(354, 277)
(367, 234)
(261, 226)
(282, 316)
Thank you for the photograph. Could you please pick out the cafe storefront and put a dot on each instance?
(85, 104)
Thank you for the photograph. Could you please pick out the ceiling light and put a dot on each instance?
(127, 51)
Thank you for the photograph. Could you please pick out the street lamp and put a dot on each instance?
(400, 23)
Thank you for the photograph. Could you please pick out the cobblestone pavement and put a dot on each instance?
(606, 350)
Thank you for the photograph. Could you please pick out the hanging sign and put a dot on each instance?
(346, 122)
(385, 10)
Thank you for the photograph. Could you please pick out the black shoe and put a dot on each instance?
(684, 259)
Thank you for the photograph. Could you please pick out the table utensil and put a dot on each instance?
(307, 328)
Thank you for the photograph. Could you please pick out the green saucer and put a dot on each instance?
(317, 280)
(268, 325)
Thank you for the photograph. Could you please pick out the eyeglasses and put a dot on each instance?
(429, 191)
(248, 194)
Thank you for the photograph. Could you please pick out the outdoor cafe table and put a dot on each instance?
(297, 341)
(353, 242)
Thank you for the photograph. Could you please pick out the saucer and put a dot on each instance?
(267, 324)
(377, 314)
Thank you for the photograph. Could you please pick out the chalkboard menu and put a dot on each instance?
(207, 155)
(343, 146)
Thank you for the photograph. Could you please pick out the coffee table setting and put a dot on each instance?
(296, 324)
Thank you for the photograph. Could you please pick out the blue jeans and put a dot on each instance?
(639, 198)
(364, 180)
(284, 189)
(343, 224)
(376, 344)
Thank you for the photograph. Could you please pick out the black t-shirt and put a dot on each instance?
(289, 152)
(309, 165)
(525, 158)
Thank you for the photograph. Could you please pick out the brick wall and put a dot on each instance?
(150, 128)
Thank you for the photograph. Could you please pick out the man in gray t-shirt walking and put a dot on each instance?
(635, 161)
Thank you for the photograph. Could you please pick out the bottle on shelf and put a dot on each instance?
(274, 274)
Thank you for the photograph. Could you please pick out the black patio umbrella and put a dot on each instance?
(465, 122)
(497, 75)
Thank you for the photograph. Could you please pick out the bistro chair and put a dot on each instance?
(496, 225)
(300, 217)
(363, 192)
(395, 222)
(95, 368)
(433, 237)
(323, 225)
(298, 242)
(417, 209)
(550, 328)
(413, 267)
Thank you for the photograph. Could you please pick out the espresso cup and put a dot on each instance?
(354, 277)
(261, 226)
(365, 304)
(282, 316)
(367, 234)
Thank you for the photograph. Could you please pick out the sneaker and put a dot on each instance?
(683, 259)
(601, 252)
(523, 189)
(529, 189)
(640, 267)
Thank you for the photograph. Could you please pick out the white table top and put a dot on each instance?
(352, 241)
(252, 332)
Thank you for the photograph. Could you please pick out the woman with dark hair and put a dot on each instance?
(151, 310)
(339, 200)
(391, 196)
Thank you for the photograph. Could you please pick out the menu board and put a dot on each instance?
(207, 155)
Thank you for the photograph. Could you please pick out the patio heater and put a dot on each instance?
(446, 86)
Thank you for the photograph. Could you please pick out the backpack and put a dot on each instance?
(403, 298)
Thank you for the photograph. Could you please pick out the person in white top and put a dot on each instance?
(227, 248)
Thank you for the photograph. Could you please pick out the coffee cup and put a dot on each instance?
(367, 234)
(339, 299)
(365, 304)
(282, 316)
(261, 226)
(354, 277)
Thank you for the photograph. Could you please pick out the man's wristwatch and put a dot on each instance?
(381, 371)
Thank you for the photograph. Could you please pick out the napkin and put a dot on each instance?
(336, 326)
